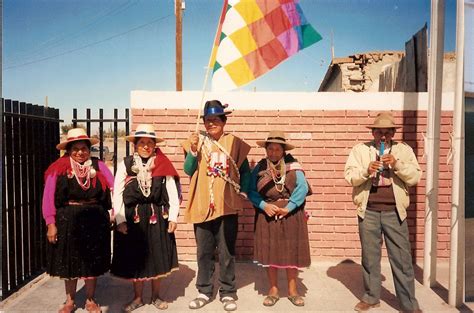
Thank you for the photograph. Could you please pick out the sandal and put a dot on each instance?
(160, 304)
(229, 304)
(270, 300)
(67, 308)
(92, 306)
(200, 301)
(132, 306)
(296, 300)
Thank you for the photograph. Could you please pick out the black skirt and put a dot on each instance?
(147, 251)
(83, 246)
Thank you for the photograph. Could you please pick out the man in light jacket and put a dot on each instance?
(380, 172)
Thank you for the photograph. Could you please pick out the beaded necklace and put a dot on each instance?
(143, 171)
(278, 172)
(144, 179)
(83, 173)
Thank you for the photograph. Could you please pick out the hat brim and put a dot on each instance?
(261, 143)
(217, 114)
(386, 126)
(131, 138)
(62, 145)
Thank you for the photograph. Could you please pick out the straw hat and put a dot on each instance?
(76, 134)
(144, 131)
(384, 120)
(214, 108)
(276, 136)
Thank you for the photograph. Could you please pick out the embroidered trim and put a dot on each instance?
(218, 171)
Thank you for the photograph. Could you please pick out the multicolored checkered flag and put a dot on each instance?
(254, 36)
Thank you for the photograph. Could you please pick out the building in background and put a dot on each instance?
(381, 71)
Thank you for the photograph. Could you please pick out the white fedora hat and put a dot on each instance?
(76, 134)
(144, 131)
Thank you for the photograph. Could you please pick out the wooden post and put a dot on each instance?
(179, 39)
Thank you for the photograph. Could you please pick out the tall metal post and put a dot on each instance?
(457, 253)
(435, 87)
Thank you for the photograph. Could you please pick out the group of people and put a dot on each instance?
(82, 200)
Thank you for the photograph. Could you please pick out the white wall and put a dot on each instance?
(289, 100)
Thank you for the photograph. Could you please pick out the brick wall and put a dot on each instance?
(323, 139)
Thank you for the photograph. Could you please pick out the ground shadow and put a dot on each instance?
(349, 274)
(443, 293)
(261, 284)
(175, 285)
(246, 273)
(172, 287)
(418, 273)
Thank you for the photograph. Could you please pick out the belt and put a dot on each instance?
(82, 202)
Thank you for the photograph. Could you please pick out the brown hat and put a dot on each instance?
(76, 134)
(144, 130)
(276, 136)
(384, 120)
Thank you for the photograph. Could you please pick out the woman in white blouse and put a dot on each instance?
(146, 199)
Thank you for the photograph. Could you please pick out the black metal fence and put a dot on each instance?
(115, 131)
(29, 136)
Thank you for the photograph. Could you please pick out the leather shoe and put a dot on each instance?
(364, 306)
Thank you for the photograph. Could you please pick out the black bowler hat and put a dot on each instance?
(214, 108)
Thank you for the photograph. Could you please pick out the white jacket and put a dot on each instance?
(407, 173)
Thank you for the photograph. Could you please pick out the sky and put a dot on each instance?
(93, 53)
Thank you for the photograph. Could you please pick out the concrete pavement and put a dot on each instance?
(327, 287)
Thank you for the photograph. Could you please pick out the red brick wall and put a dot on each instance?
(323, 140)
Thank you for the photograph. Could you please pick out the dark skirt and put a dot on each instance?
(147, 251)
(282, 243)
(83, 246)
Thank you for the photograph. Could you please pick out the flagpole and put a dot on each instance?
(214, 46)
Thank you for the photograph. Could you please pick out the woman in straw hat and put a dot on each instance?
(76, 201)
(278, 189)
(146, 197)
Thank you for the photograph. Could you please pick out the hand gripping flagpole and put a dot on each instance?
(211, 62)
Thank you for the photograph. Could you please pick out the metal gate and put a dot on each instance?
(100, 121)
(29, 136)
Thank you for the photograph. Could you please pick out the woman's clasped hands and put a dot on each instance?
(274, 211)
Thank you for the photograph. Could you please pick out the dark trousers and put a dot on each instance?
(220, 233)
(397, 241)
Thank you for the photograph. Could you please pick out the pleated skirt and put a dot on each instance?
(147, 251)
(83, 246)
(282, 243)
